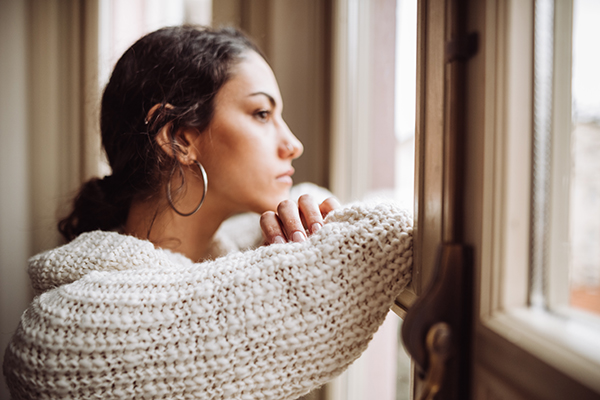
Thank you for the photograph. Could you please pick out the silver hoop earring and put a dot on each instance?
(205, 182)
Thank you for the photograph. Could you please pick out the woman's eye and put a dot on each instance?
(262, 115)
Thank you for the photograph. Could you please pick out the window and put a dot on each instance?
(566, 222)
(519, 155)
(584, 146)
(534, 188)
(565, 216)
(374, 89)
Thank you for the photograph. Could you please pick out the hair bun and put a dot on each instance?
(106, 182)
(96, 206)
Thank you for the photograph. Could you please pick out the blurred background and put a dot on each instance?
(346, 70)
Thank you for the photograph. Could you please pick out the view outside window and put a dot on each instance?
(584, 226)
(383, 371)
(123, 22)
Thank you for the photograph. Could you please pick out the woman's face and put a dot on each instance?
(248, 149)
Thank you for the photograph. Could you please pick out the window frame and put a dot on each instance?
(506, 327)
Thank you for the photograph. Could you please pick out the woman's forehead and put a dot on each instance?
(252, 77)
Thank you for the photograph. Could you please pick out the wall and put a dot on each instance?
(15, 246)
(48, 109)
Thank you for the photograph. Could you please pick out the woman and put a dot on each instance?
(125, 311)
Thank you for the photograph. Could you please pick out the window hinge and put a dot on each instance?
(462, 48)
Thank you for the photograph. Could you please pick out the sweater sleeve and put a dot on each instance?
(270, 323)
(242, 232)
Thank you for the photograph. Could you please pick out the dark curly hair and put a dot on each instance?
(179, 68)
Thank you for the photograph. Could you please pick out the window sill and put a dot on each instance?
(566, 344)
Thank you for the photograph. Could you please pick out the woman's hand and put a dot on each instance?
(292, 223)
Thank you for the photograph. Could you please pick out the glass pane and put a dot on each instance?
(584, 224)
(384, 370)
(565, 180)
(405, 99)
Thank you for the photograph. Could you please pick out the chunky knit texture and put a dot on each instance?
(117, 318)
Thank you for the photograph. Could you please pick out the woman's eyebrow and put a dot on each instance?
(271, 99)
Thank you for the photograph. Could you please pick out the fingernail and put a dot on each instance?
(298, 237)
(278, 239)
(316, 227)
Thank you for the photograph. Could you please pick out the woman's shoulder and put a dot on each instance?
(93, 251)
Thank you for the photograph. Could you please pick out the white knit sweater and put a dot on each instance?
(117, 318)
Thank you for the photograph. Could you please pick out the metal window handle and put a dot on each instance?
(438, 344)
(436, 329)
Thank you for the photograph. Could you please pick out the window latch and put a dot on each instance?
(436, 329)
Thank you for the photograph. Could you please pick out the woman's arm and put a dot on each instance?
(271, 323)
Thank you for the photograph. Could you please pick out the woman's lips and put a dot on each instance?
(286, 177)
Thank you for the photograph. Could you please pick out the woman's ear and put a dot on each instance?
(180, 145)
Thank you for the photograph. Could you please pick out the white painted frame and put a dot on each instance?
(350, 93)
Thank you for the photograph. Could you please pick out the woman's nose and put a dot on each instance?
(290, 146)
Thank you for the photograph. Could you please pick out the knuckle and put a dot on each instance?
(305, 198)
(267, 220)
(266, 216)
(332, 201)
(285, 204)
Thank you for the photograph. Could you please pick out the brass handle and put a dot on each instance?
(436, 329)
(438, 345)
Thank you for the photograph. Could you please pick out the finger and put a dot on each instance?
(329, 205)
(290, 220)
(310, 213)
(271, 228)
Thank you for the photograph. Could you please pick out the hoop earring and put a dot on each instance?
(204, 180)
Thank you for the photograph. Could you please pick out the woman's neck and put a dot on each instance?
(160, 224)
